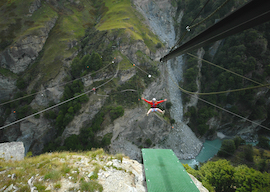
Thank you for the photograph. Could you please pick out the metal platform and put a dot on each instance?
(165, 173)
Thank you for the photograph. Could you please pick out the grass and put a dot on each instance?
(121, 15)
(50, 168)
(91, 186)
(7, 73)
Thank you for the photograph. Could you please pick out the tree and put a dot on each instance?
(263, 142)
(21, 84)
(227, 148)
(219, 174)
(248, 179)
(238, 141)
(116, 112)
(73, 143)
(248, 151)
(95, 61)
(76, 67)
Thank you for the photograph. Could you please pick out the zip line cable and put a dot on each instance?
(59, 103)
(251, 14)
(239, 116)
(220, 92)
(179, 41)
(221, 6)
(10, 101)
(225, 69)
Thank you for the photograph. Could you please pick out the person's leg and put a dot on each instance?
(159, 110)
(149, 111)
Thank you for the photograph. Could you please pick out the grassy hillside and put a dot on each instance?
(121, 15)
(72, 21)
(65, 170)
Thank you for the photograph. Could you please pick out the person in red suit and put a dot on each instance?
(154, 104)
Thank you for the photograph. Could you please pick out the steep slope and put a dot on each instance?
(92, 44)
(66, 171)
(247, 54)
(161, 17)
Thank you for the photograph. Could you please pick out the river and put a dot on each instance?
(210, 149)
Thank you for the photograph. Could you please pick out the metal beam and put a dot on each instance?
(251, 14)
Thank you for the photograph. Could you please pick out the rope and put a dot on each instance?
(225, 69)
(10, 101)
(239, 116)
(59, 103)
(195, 25)
(219, 92)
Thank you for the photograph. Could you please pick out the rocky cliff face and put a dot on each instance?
(7, 86)
(160, 16)
(134, 129)
(24, 51)
(34, 6)
(72, 170)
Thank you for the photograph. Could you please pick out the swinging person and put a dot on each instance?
(154, 104)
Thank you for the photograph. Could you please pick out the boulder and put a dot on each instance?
(12, 151)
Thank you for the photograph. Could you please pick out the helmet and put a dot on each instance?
(154, 99)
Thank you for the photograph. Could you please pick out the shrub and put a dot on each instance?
(53, 175)
(168, 105)
(238, 141)
(248, 151)
(73, 143)
(106, 140)
(91, 186)
(116, 112)
(172, 121)
(21, 84)
(263, 142)
(158, 45)
(148, 142)
(227, 148)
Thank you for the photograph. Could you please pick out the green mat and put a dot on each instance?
(165, 173)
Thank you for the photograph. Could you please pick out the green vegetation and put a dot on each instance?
(51, 168)
(88, 63)
(120, 16)
(199, 118)
(68, 110)
(227, 148)
(86, 140)
(222, 176)
(236, 151)
(246, 53)
(264, 143)
(148, 142)
(91, 186)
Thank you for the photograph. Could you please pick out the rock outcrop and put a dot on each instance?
(21, 53)
(7, 86)
(128, 135)
(34, 6)
(111, 173)
(159, 15)
(12, 151)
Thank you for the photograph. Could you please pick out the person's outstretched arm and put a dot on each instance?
(161, 101)
(146, 100)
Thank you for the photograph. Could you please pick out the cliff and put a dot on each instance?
(42, 58)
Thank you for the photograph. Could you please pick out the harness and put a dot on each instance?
(154, 105)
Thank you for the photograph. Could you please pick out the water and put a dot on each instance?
(209, 150)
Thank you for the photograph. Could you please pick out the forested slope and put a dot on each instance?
(247, 54)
